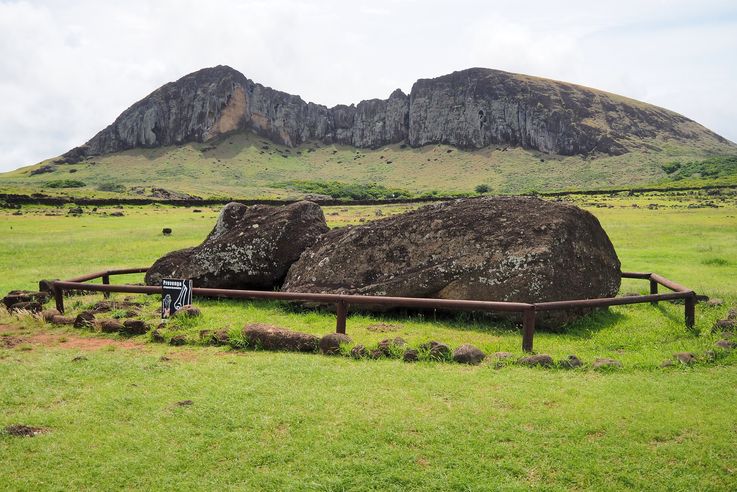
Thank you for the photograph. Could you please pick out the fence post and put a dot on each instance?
(340, 313)
(106, 281)
(653, 290)
(528, 329)
(690, 314)
(58, 297)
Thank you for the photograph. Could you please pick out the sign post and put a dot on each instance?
(175, 294)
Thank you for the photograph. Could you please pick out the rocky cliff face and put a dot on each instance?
(470, 109)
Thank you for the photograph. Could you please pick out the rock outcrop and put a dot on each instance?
(504, 248)
(249, 248)
(471, 108)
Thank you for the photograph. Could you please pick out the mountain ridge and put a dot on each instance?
(469, 109)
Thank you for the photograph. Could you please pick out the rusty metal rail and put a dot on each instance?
(342, 301)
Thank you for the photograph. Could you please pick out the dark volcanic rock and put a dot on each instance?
(504, 248)
(85, 319)
(249, 248)
(471, 108)
(274, 338)
(135, 327)
(330, 343)
(543, 360)
(16, 296)
(468, 354)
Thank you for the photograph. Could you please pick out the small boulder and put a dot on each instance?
(468, 354)
(48, 314)
(440, 351)
(274, 338)
(726, 344)
(687, 358)
(62, 320)
(725, 324)
(543, 360)
(188, 311)
(388, 345)
(219, 337)
(110, 326)
(667, 363)
(604, 363)
(117, 214)
(166, 231)
(714, 302)
(570, 362)
(157, 336)
(330, 343)
(85, 319)
(503, 355)
(31, 307)
(359, 352)
(178, 340)
(18, 296)
(732, 314)
(133, 327)
(410, 355)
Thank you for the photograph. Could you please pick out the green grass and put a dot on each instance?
(245, 166)
(278, 421)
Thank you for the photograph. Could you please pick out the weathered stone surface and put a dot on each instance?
(62, 320)
(219, 337)
(188, 311)
(471, 108)
(48, 314)
(110, 326)
(389, 346)
(503, 355)
(604, 363)
(330, 343)
(726, 344)
(410, 355)
(468, 354)
(273, 338)
(32, 306)
(543, 360)
(439, 351)
(725, 324)
(685, 357)
(85, 319)
(135, 327)
(157, 336)
(178, 340)
(249, 248)
(502, 248)
(17, 296)
(570, 362)
(359, 352)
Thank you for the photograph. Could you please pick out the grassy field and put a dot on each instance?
(133, 414)
(242, 165)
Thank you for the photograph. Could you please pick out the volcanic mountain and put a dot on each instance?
(469, 109)
(215, 133)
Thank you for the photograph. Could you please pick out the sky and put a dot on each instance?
(69, 68)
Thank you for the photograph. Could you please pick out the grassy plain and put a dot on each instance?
(278, 421)
(245, 166)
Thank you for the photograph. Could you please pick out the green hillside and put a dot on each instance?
(245, 166)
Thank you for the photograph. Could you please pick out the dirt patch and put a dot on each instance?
(20, 430)
(10, 341)
(383, 328)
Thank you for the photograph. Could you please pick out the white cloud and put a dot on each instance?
(67, 69)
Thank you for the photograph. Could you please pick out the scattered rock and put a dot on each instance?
(667, 363)
(726, 344)
(410, 355)
(157, 336)
(359, 352)
(178, 340)
(439, 351)
(48, 314)
(18, 296)
(468, 354)
(62, 320)
(543, 360)
(185, 403)
(219, 337)
(604, 363)
(75, 211)
(133, 327)
(687, 358)
(274, 338)
(330, 343)
(79, 358)
(111, 326)
(732, 314)
(383, 327)
(188, 311)
(249, 247)
(85, 319)
(117, 214)
(389, 345)
(714, 302)
(571, 362)
(31, 307)
(725, 324)
(20, 430)
(166, 231)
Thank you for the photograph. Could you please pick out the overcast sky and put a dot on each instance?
(68, 68)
